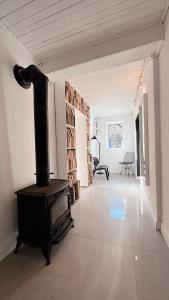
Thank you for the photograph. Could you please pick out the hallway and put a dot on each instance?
(113, 253)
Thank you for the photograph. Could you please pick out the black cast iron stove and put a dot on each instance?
(44, 209)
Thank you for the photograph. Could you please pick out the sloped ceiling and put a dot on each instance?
(49, 28)
(110, 91)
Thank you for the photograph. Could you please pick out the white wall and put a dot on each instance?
(17, 159)
(114, 156)
(17, 154)
(164, 103)
(151, 88)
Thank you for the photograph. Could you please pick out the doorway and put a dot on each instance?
(137, 124)
(81, 149)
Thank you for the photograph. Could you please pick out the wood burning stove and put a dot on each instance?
(44, 215)
(44, 209)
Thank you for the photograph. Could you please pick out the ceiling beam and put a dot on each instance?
(104, 48)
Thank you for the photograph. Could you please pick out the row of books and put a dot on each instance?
(73, 97)
(89, 157)
(70, 115)
(90, 174)
(81, 105)
(69, 93)
(72, 177)
(88, 127)
(71, 160)
(71, 138)
(88, 141)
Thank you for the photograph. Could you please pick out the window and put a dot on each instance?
(114, 135)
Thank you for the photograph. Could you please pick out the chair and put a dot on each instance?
(100, 168)
(127, 164)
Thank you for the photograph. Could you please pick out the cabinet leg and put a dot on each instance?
(18, 244)
(46, 250)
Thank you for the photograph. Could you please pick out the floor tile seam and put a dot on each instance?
(39, 290)
(151, 252)
(127, 217)
(43, 292)
(104, 210)
(19, 285)
(102, 241)
(11, 280)
(148, 251)
(24, 280)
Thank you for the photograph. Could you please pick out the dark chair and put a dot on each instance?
(127, 164)
(100, 168)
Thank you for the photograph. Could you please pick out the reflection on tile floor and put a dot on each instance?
(113, 253)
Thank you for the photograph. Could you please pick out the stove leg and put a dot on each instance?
(18, 244)
(46, 250)
(73, 224)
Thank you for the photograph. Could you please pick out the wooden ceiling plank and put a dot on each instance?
(68, 47)
(67, 21)
(9, 6)
(45, 22)
(25, 12)
(80, 11)
(53, 36)
(107, 23)
(99, 10)
(2, 1)
(44, 17)
(65, 25)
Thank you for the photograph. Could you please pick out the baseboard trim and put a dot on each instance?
(165, 234)
(157, 224)
(8, 247)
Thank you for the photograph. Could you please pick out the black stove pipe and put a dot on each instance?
(26, 76)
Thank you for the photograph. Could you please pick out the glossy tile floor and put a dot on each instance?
(113, 253)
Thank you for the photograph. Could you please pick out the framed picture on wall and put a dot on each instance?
(114, 135)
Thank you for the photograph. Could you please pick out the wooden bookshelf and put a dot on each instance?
(74, 101)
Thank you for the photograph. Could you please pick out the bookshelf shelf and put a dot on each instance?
(72, 170)
(67, 125)
(68, 103)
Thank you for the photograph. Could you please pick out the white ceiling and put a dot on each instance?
(110, 91)
(49, 28)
